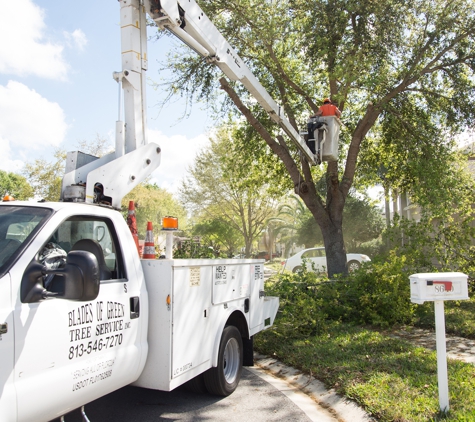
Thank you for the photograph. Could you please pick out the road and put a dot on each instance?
(254, 400)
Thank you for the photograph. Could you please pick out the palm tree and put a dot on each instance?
(287, 221)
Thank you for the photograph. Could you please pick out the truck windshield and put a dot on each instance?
(17, 226)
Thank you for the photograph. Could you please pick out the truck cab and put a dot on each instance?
(67, 338)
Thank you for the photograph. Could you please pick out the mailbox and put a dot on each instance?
(430, 287)
(438, 287)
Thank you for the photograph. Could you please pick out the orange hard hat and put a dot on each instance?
(327, 100)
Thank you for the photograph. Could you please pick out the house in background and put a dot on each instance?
(401, 204)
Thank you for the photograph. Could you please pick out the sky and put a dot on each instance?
(56, 86)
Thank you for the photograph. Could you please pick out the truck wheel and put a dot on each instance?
(297, 269)
(224, 379)
(353, 266)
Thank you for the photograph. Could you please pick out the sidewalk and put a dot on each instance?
(457, 347)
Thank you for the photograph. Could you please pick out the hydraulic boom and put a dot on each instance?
(108, 179)
(189, 23)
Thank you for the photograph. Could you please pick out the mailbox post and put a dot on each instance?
(438, 287)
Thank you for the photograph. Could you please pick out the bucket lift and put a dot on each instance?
(186, 20)
(323, 142)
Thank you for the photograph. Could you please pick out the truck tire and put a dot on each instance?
(224, 379)
(297, 269)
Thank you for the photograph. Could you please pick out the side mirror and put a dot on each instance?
(78, 280)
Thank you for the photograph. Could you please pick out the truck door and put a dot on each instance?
(7, 391)
(68, 353)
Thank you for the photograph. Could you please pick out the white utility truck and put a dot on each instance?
(81, 315)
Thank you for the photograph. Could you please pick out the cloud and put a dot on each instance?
(7, 163)
(24, 50)
(29, 120)
(76, 39)
(178, 153)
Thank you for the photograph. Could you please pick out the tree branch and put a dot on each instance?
(279, 150)
(289, 81)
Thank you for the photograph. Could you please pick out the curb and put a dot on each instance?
(343, 409)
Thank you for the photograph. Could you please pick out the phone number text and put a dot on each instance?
(95, 346)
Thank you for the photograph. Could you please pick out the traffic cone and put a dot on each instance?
(149, 246)
(132, 223)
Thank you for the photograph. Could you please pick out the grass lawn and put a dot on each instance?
(390, 378)
(459, 318)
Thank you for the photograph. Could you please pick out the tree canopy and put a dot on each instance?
(15, 185)
(219, 235)
(215, 188)
(152, 203)
(402, 72)
(45, 177)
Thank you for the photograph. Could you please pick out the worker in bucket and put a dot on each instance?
(327, 109)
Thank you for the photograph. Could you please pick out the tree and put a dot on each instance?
(401, 72)
(152, 203)
(46, 177)
(285, 224)
(15, 185)
(215, 189)
(442, 240)
(219, 234)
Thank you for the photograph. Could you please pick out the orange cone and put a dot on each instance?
(132, 223)
(149, 246)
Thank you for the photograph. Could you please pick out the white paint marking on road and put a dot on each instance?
(343, 409)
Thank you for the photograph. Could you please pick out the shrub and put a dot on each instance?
(372, 248)
(191, 249)
(300, 311)
(377, 294)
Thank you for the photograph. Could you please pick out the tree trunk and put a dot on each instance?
(330, 221)
(248, 247)
(387, 209)
(335, 250)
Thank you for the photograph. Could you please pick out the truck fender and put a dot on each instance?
(234, 317)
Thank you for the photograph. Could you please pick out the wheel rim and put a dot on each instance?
(353, 266)
(231, 360)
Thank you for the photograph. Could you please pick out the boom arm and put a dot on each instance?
(108, 179)
(187, 21)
